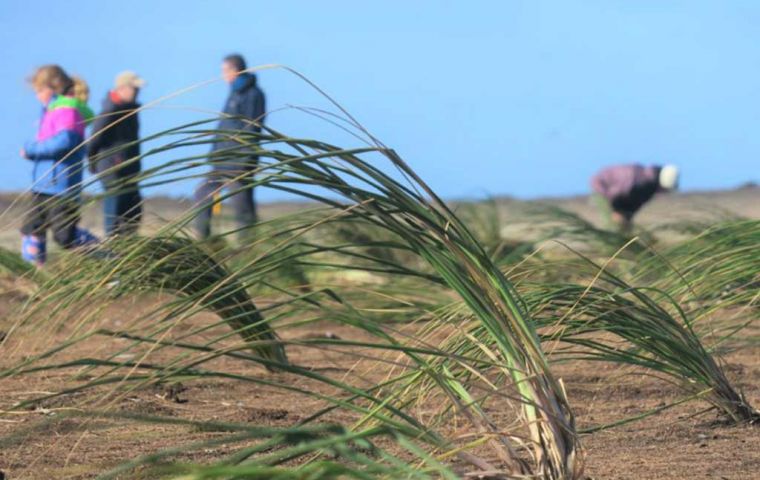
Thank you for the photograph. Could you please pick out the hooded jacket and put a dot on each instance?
(243, 111)
(57, 162)
(114, 146)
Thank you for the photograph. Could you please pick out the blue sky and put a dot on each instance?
(523, 98)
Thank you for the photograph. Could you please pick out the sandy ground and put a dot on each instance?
(683, 442)
(679, 443)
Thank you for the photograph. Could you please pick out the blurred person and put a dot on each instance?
(621, 190)
(80, 90)
(78, 97)
(57, 161)
(243, 112)
(114, 155)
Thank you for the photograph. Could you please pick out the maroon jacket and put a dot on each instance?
(627, 187)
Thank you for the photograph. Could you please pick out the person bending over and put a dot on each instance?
(622, 190)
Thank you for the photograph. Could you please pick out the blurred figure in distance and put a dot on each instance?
(233, 154)
(57, 157)
(621, 190)
(114, 155)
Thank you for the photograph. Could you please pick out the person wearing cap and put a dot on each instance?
(623, 189)
(233, 155)
(114, 154)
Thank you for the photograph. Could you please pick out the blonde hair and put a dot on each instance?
(53, 77)
(80, 90)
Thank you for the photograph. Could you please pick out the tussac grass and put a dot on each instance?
(426, 227)
(385, 221)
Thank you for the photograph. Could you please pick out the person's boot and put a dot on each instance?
(34, 249)
(85, 238)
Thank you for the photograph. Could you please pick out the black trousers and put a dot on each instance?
(59, 214)
(625, 207)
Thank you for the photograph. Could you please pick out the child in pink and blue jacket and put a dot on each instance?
(57, 162)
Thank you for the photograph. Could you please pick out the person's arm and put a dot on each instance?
(55, 147)
(138, 147)
(60, 144)
(254, 110)
(100, 136)
(260, 110)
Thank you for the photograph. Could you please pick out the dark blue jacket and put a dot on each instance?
(243, 111)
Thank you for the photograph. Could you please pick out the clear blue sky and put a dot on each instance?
(525, 98)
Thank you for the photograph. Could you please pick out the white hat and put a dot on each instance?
(669, 177)
(129, 79)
